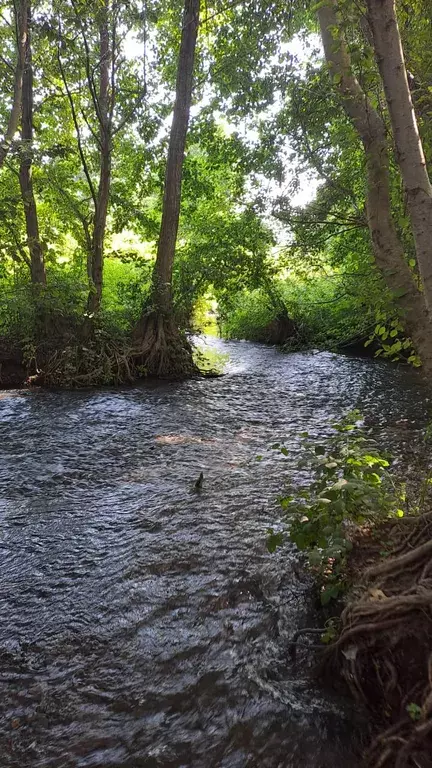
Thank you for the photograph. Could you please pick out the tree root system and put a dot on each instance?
(92, 358)
(161, 349)
(384, 651)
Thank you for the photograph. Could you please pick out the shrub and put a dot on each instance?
(248, 315)
(327, 313)
(350, 484)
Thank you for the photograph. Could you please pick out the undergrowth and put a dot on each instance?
(382, 648)
(349, 484)
(325, 315)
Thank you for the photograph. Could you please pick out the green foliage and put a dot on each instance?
(248, 315)
(328, 312)
(388, 334)
(126, 288)
(265, 114)
(350, 485)
(24, 308)
(414, 711)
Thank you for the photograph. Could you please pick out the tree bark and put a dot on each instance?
(162, 297)
(37, 266)
(14, 116)
(409, 149)
(103, 192)
(164, 349)
(387, 247)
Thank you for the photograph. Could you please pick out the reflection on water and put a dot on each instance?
(144, 624)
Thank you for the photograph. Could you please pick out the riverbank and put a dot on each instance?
(88, 361)
(107, 362)
(384, 649)
(363, 520)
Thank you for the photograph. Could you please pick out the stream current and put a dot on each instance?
(143, 624)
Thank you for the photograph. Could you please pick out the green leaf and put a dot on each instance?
(320, 5)
(274, 540)
(414, 711)
(399, 293)
(329, 593)
(285, 501)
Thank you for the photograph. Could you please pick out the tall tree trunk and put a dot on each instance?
(14, 116)
(387, 246)
(164, 349)
(37, 266)
(105, 138)
(173, 175)
(409, 151)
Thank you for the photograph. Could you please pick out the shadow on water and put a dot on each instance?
(144, 624)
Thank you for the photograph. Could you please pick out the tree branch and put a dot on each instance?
(89, 74)
(75, 122)
(21, 22)
(131, 112)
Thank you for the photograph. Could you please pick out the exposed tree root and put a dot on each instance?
(161, 349)
(89, 364)
(88, 357)
(384, 652)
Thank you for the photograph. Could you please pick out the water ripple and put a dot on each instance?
(144, 624)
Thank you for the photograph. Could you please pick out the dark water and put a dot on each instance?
(143, 624)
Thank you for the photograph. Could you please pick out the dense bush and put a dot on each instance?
(24, 308)
(328, 312)
(349, 486)
(247, 315)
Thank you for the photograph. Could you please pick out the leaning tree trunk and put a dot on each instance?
(14, 115)
(409, 151)
(102, 198)
(37, 266)
(165, 351)
(387, 246)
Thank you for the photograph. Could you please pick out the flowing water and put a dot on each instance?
(143, 623)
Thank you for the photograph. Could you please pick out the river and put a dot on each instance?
(144, 624)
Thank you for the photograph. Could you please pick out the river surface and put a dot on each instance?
(143, 624)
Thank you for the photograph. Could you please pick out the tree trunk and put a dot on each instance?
(173, 177)
(37, 266)
(387, 247)
(409, 150)
(105, 138)
(13, 122)
(164, 350)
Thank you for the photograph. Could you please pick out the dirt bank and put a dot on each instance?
(384, 650)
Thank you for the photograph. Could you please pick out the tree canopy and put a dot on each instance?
(259, 154)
